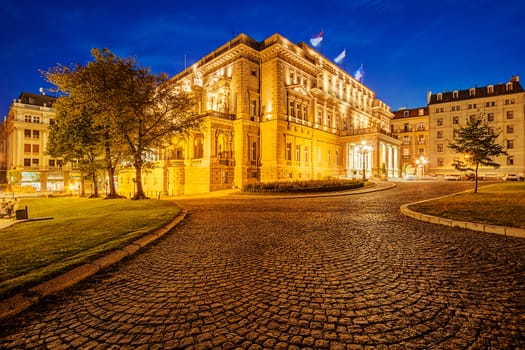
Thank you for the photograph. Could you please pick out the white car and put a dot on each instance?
(510, 177)
(452, 177)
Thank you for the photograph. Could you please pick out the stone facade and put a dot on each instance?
(274, 111)
(24, 166)
(503, 106)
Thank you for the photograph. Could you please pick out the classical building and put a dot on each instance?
(411, 127)
(503, 107)
(24, 166)
(273, 111)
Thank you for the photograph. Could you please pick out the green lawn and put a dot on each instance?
(498, 204)
(81, 230)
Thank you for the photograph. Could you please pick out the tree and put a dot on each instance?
(73, 138)
(135, 110)
(478, 144)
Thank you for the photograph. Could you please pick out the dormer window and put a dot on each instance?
(508, 86)
(490, 89)
(440, 97)
(406, 113)
(472, 92)
(455, 94)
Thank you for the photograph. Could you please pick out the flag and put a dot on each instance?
(316, 40)
(359, 74)
(340, 57)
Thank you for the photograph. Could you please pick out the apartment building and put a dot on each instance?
(502, 105)
(411, 126)
(24, 166)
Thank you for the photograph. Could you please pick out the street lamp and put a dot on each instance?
(363, 148)
(421, 161)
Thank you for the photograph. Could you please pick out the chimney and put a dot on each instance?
(515, 78)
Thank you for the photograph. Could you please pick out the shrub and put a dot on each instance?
(308, 186)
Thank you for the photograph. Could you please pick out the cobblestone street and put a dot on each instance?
(340, 272)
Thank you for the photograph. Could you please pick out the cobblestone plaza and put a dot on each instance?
(336, 272)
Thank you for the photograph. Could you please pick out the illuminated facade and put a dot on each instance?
(503, 106)
(412, 128)
(23, 137)
(273, 111)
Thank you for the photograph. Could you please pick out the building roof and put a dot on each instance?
(511, 87)
(36, 99)
(410, 112)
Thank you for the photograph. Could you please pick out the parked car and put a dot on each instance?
(510, 177)
(470, 176)
(452, 177)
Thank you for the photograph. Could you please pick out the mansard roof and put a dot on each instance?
(36, 99)
(511, 87)
(410, 113)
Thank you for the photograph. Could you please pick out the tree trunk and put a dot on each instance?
(476, 186)
(94, 178)
(82, 185)
(139, 194)
(111, 174)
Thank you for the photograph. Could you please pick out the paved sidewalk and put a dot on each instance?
(338, 272)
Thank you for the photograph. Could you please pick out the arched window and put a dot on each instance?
(198, 149)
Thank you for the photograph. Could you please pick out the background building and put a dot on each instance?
(24, 166)
(503, 107)
(274, 111)
(411, 126)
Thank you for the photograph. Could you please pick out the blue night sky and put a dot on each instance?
(407, 47)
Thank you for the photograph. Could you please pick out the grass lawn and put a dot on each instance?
(499, 204)
(81, 230)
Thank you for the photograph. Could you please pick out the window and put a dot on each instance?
(254, 151)
(510, 144)
(421, 126)
(439, 121)
(510, 160)
(36, 134)
(299, 111)
(406, 113)
(455, 120)
(27, 119)
(421, 139)
(27, 148)
(406, 140)
(510, 129)
(440, 162)
(288, 153)
(490, 130)
(27, 133)
(36, 119)
(490, 117)
(406, 153)
(27, 162)
(421, 151)
(34, 161)
(510, 114)
(336, 157)
(253, 108)
(405, 127)
(440, 147)
(319, 118)
(472, 117)
(306, 157)
(297, 152)
(51, 163)
(198, 149)
(51, 121)
(440, 134)
(291, 111)
(329, 120)
(455, 94)
(36, 148)
(305, 116)
(472, 92)
(440, 97)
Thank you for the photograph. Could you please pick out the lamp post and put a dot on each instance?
(363, 148)
(421, 161)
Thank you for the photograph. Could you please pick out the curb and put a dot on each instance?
(487, 228)
(23, 300)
